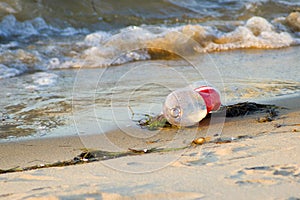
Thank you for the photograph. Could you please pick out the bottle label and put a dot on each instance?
(211, 97)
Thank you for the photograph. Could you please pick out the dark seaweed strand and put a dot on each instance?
(246, 108)
(151, 123)
(235, 110)
(91, 156)
(97, 155)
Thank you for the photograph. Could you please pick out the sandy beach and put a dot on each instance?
(84, 86)
(256, 160)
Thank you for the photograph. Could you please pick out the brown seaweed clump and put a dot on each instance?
(235, 110)
(248, 108)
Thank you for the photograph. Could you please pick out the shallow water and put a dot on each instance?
(80, 69)
(93, 101)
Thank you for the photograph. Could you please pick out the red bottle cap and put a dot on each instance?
(211, 97)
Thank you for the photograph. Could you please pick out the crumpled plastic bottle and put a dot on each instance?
(188, 106)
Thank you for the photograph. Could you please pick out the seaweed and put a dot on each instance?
(248, 108)
(88, 156)
(154, 123)
(235, 110)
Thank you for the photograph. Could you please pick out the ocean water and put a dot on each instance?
(69, 67)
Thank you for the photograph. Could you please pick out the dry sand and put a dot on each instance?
(261, 162)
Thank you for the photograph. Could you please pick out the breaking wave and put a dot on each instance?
(38, 45)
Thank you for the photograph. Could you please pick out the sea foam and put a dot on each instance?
(75, 48)
(139, 43)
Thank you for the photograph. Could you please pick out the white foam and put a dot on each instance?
(131, 56)
(43, 79)
(256, 33)
(11, 27)
(257, 25)
(6, 72)
(101, 49)
(106, 49)
(97, 38)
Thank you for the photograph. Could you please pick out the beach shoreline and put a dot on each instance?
(260, 158)
(73, 145)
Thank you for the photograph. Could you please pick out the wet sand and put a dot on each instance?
(260, 161)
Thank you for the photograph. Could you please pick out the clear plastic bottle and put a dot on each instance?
(188, 106)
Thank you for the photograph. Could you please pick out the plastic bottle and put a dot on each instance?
(188, 106)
